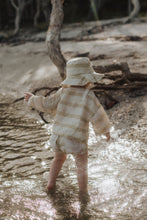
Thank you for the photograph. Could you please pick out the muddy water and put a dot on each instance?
(117, 175)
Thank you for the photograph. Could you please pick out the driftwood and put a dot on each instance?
(124, 68)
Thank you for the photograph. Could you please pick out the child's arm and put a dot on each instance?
(99, 118)
(41, 103)
(101, 123)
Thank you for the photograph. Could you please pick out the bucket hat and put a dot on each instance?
(79, 72)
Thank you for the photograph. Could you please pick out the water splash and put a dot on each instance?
(117, 175)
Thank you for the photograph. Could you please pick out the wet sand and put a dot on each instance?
(117, 170)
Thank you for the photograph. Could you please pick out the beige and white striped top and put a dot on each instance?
(75, 108)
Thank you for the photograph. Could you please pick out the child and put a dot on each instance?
(76, 106)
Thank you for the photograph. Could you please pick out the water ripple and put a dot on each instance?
(117, 175)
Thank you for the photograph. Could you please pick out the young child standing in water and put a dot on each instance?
(76, 105)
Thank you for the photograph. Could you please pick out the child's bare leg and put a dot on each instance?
(56, 166)
(82, 173)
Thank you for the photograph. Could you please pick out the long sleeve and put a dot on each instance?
(45, 104)
(98, 117)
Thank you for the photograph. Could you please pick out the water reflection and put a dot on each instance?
(117, 175)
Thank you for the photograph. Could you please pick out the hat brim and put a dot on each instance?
(83, 79)
(97, 76)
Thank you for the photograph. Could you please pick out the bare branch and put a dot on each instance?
(134, 13)
(13, 4)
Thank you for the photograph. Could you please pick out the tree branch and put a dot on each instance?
(14, 5)
(134, 13)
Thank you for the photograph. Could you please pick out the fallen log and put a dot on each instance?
(124, 68)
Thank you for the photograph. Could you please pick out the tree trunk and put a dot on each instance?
(45, 9)
(129, 7)
(17, 21)
(19, 8)
(53, 36)
(37, 13)
(94, 8)
(17, 16)
(132, 13)
(135, 12)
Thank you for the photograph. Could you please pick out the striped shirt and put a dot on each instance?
(75, 108)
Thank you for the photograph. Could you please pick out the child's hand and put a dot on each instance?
(27, 96)
(107, 136)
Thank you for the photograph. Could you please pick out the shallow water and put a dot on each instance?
(117, 175)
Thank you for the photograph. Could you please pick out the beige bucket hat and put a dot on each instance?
(79, 72)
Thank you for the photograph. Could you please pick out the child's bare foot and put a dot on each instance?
(50, 189)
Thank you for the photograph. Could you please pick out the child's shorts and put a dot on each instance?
(67, 145)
